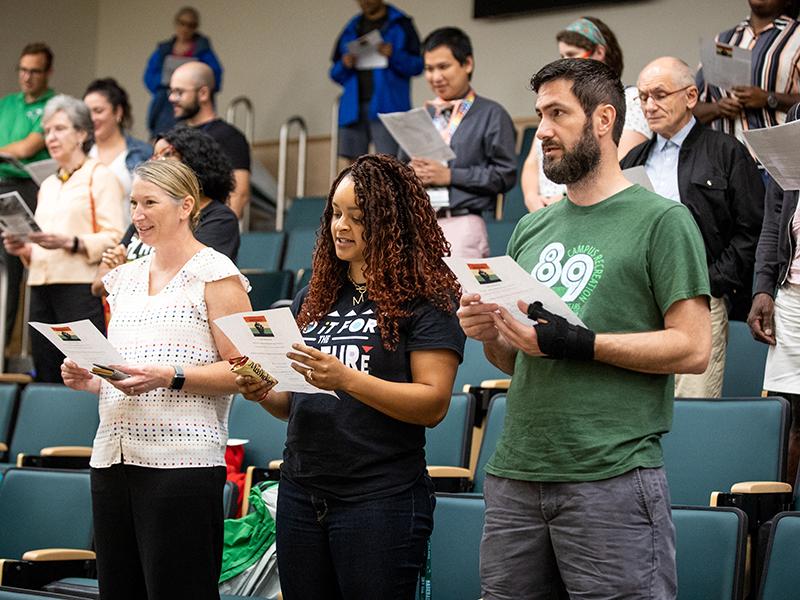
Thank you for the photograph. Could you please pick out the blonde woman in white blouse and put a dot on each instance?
(158, 459)
(80, 212)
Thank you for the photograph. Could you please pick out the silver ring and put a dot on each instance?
(133, 391)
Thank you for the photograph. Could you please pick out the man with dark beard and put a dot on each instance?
(576, 485)
(191, 92)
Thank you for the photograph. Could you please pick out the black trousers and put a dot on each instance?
(158, 532)
(58, 303)
(13, 265)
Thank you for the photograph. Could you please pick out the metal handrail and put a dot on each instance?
(283, 149)
(249, 133)
(249, 116)
(334, 161)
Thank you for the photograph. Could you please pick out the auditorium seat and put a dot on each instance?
(499, 234)
(514, 202)
(744, 363)
(299, 252)
(715, 443)
(269, 287)
(710, 552)
(447, 446)
(260, 251)
(8, 397)
(455, 547)
(305, 212)
(41, 509)
(781, 576)
(491, 435)
(51, 416)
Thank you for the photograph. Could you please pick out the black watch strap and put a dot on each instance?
(179, 379)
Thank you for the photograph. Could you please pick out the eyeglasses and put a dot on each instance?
(178, 92)
(24, 71)
(659, 96)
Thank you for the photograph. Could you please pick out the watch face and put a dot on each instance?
(772, 101)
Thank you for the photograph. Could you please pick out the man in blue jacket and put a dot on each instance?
(368, 92)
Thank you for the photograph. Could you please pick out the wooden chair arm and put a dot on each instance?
(3, 447)
(275, 464)
(438, 471)
(47, 554)
(496, 384)
(761, 487)
(81, 451)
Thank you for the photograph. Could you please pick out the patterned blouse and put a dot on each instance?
(163, 428)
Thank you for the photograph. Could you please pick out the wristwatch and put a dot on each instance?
(772, 101)
(179, 379)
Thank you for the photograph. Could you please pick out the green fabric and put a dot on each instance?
(247, 539)
(18, 119)
(619, 264)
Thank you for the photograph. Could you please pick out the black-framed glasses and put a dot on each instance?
(179, 92)
(659, 96)
(24, 71)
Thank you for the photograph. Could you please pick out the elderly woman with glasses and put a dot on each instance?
(79, 210)
(185, 46)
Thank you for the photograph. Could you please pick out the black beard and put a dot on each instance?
(574, 164)
(189, 111)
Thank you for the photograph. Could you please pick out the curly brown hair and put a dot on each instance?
(403, 248)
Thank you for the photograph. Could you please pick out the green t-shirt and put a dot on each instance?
(619, 265)
(18, 119)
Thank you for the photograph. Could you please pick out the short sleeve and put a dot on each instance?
(634, 117)
(432, 329)
(209, 265)
(115, 281)
(677, 258)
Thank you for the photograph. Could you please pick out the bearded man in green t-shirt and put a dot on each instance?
(576, 490)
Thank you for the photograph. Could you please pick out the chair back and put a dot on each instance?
(744, 363)
(8, 397)
(710, 552)
(499, 233)
(475, 367)
(491, 435)
(269, 287)
(266, 434)
(455, 547)
(299, 249)
(781, 577)
(42, 508)
(261, 250)
(304, 213)
(53, 415)
(448, 444)
(715, 443)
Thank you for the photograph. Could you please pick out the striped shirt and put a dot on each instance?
(776, 68)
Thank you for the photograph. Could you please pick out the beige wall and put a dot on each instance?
(70, 28)
(277, 51)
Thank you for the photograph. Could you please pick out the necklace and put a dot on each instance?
(361, 289)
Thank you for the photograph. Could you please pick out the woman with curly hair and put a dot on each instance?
(355, 507)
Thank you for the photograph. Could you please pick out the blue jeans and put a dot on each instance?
(330, 549)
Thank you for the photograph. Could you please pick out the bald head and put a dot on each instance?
(679, 71)
(668, 94)
(196, 72)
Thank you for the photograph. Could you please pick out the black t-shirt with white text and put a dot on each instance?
(339, 447)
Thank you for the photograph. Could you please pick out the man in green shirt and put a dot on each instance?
(21, 137)
(576, 491)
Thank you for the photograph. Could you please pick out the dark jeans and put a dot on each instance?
(13, 265)
(59, 303)
(329, 549)
(158, 532)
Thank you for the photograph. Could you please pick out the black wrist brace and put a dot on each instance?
(558, 338)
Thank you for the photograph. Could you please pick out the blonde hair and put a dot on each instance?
(174, 178)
